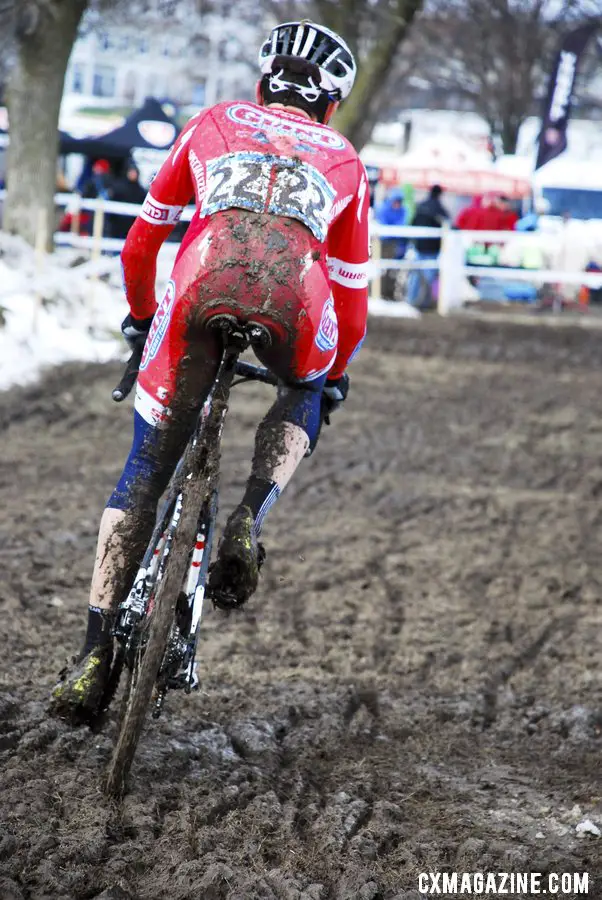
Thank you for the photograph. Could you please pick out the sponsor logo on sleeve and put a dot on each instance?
(339, 206)
(198, 170)
(362, 194)
(353, 275)
(328, 332)
(159, 213)
(158, 326)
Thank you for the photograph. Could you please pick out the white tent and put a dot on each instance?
(449, 161)
(565, 172)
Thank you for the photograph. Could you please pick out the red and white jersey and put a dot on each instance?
(241, 155)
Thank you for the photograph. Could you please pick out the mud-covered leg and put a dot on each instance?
(125, 528)
(281, 442)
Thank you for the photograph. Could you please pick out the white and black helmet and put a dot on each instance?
(319, 47)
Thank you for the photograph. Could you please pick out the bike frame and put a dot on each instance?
(200, 460)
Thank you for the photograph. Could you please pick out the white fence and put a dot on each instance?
(452, 266)
(451, 262)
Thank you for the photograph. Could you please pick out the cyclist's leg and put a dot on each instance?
(178, 368)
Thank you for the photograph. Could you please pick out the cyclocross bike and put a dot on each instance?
(157, 626)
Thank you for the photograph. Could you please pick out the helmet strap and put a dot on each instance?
(330, 111)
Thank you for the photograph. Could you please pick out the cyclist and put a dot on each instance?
(279, 235)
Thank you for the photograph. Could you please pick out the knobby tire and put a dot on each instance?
(146, 668)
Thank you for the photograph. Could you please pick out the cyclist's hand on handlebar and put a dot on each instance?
(334, 394)
(135, 330)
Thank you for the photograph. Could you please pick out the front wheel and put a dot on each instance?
(145, 669)
(154, 633)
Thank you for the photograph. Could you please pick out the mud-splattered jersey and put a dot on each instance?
(241, 155)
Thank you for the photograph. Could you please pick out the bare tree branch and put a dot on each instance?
(491, 57)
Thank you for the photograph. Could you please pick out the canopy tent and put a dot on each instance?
(452, 163)
(567, 172)
(147, 128)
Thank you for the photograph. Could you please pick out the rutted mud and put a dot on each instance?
(416, 686)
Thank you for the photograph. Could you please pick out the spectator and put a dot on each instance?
(530, 221)
(391, 212)
(470, 218)
(429, 214)
(504, 217)
(126, 190)
(100, 185)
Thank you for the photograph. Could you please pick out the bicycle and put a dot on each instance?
(157, 626)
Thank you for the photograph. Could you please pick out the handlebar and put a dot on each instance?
(255, 373)
(128, 379)
(245, 369)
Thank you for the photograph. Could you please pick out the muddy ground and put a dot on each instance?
(416, 687)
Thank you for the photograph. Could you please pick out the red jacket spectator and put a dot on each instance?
(469, 218)
(502, 216)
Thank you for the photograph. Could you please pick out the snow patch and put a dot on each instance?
(587, 827)
(392, 308)
(52, 310)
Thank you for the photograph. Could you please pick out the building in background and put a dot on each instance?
(193, 60)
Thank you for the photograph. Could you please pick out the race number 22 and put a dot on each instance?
(273, 184)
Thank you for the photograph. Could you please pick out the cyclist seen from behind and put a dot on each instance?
(279, 236)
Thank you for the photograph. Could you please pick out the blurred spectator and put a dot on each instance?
(80, 222)
(470, 218)
(530, 220)
(126, 190)
(504, 218)
(429, 214)
(391, 212)
(101, 183)
(100, 186)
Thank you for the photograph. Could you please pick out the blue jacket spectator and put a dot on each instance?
(392, 212)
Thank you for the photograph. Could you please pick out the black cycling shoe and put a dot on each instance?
(234, 575)
(78, 695)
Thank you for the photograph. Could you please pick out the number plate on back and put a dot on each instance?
(274, 184)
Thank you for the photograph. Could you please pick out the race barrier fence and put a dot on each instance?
(451, 262)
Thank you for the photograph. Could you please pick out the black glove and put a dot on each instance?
(135, 331)
(334, 394)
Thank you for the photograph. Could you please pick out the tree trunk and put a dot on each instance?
(509, 134)
(34, 94)
(359, 113)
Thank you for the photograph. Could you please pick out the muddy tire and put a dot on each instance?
(139, 689)
(145, 671)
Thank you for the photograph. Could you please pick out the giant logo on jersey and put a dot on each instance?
(263, 182)
(328, 331)
(262, 120)
(158, 326)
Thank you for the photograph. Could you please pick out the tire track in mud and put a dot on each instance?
(411, 686)
(520, 660)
